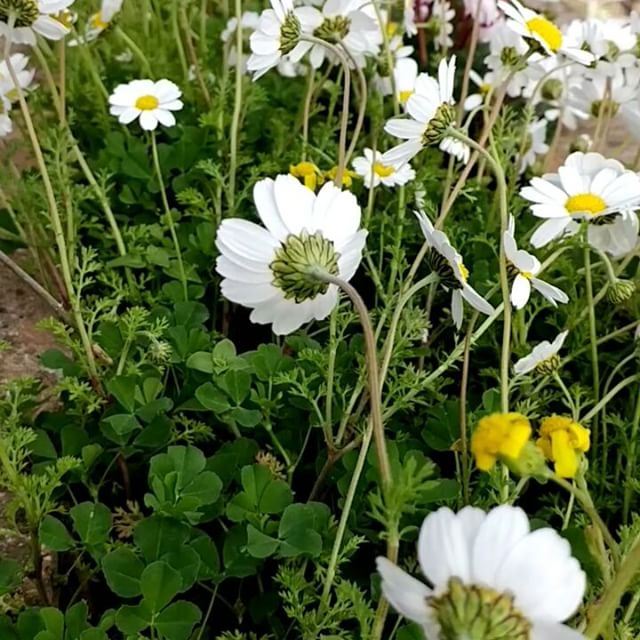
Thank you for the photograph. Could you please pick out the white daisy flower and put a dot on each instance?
(431, 111)
(276, 36)
(249, 20)
(267, 269)
(488, 16)
(534, 26)
(346, 22)
(536, 143)
(507, 59)
(371, 166)
(442, 15)
(544, 358)
(617, 238)
(25, 76)
(101, 20)
(6, 125)
(150, 102)
(484, 84)
(33, 18)
(587, 187)
(400, 53)
(409, 18)
(447, 263)
(617, 95)
(405, 75)
(488, 571)
(523, 268)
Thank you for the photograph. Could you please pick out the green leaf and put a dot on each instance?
(53, 621)
(301, 528)
(237, 384)
(207, 551)
(76, 620)
(156, 536)
(210, 397)
(123, 388)
(246, 417)
(201, 361)
(224, 350)
(177, 621)
(122, 569)
(268, 360)
(54, 535)
(133, 619)
(92, 522)
(160, 584)
(10, 575)
(262, 494)
(123, 423)
(186, 562)
(260, 545)
(93, 634)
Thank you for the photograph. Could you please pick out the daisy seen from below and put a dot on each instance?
(101, 20)
(270, 269)
(587, 187)
(375, 171)
(431, 113)
(276, 36)
(405, 74)
(33, 18)
(148, 101)
(535, 27)
(447, 263)
(618, 237)
(524, 268)
(8, 93)
(492, 578)
(544, 358)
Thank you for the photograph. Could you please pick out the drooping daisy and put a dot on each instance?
(101, 20)
(544, 358)
(405, 75)
(6, 124)
(25, 76)
(345, 22)
(536, 143)
(587, 187)
(489, 572)
(276, 36)
(431, 111)
(270, 269)
(442, 16)
(150, 102)
(454, 275)
(538, 29)
(371, 166)
(33, 18)
(524, 268)
(618, 237)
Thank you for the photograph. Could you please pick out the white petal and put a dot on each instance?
(50, 28)
(551, 293)
(295, 203)
(501, 530)
(148, 120)
(476, 300)
(548, 231)
(165, 118)
(520, 291)
(443, 550)
(456, 308)
(336, 213)
(248, 239)
(265, 201)
(405, 594)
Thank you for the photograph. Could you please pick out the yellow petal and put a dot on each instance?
(564, 456)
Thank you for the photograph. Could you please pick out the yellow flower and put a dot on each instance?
(563, 441)
(347, 176)
(500, 435)
(310, 174)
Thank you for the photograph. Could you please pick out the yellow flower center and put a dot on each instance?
(484, 89)
(147, 103)
(404, 96)
(382, 170)
(392, 29)
(500, 435)
(526, 274)
(563, 441)
(546, 31)
(585, 203)
(65, 18)
(97, 22)
(464, 272)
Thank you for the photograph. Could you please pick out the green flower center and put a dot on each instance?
(548, 366)
(600, 107)
(333, 29)
(289, 33)
(552, 89)
(25, 11)
(512, 59)
(437, 127)
(295, 262)
(469, 612)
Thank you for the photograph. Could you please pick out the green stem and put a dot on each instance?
(619, 387)
(631, 462)
(168, 215)
(136, 50)
(237, 107)
(593, 340)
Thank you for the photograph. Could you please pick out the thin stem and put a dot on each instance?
(178, 40)
(168, 215)
(362, 98)
(373, 374)
(193, 56)
(346, 96)
(464, 382)
(237, 107)
(344, 516)
(567, 394)
(56, 221)
(631, 462)
(593, 339)
(614, 392)
(136, 50)
(306, 114)
(471, 55)
(606, 606)
(36, 286)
